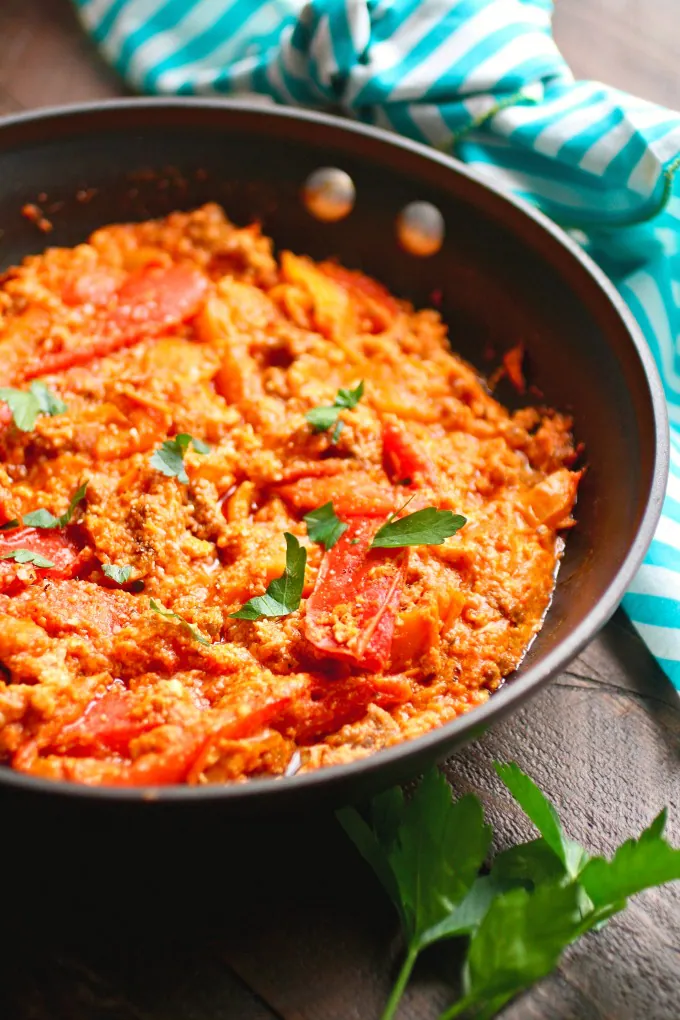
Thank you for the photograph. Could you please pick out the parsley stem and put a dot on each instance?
(400, 983)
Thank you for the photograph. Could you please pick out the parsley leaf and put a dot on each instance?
(323, 525)
(537, 899)
(283, 594)
(423, 527)
(118, 574)
(26, 405)
(27, 556)
(192, 630)
(169, 457)
(323, 418)
(636, 865)
(44, 519)
(10, 525)
(544, 816)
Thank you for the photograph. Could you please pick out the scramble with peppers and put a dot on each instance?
(255, 516)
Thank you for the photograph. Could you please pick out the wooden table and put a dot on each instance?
(166, 918)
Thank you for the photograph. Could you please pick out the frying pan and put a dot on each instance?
(505, 274)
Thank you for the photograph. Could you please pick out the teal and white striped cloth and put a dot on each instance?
(483, 79)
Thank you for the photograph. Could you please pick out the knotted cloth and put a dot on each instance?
(482, 79)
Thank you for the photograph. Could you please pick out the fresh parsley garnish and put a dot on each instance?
(26, 405)
(423, 527)
(44, 519)
(536, 899)
(27, 556)
(323, 525)
(169, 457)
(167, 614)
(323, 418)
(9, 525)
(283, 594)
(118, 574)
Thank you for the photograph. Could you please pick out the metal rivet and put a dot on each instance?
(420, 229)
(328, 194)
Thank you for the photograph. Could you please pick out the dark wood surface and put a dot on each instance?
(159, 917)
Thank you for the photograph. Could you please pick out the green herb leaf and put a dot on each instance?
(350, 398)
(283, 594)
(167, 614)
(27, 556)
(519, 941)
(439, 850)
(323, 525)
(44, 519)
(544, 816)
(323, 418)
(26, 405)
(118, 574)
(636, 865)
(169, 457)
(49, 402)
(423, 527)
(10, 525)
(538, 898)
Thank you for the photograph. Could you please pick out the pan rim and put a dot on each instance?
(509, 696)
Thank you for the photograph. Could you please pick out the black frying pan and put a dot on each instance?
(505, 273)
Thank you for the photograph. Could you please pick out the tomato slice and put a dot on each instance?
(405, 461)
(58, 545)
(150, 301)
(106, 725)
(352, 611)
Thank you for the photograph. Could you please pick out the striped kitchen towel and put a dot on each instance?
(483, 79)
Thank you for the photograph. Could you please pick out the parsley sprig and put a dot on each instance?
(27, 556)
(423, 527)
(283, 594)
(324, 418)
(536, 899)
(44, 519)
(169, 457)
(190, 628)
(121, 575)
(26, 405)
(324, 525)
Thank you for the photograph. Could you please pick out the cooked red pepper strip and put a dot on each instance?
(107, 725)
(352, 611)
(329, 705)
(58, 545)
(149, 302)
(405, 461)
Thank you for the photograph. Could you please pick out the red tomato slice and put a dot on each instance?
(106, 725)
(404, 459)
(57, 545)
(352, 611)
(150, 301)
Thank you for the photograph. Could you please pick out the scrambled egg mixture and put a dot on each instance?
(199, 444)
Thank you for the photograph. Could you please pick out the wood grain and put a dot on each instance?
(187, 917)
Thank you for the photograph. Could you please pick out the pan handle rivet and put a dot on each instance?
(420, 229)
(329, 194)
